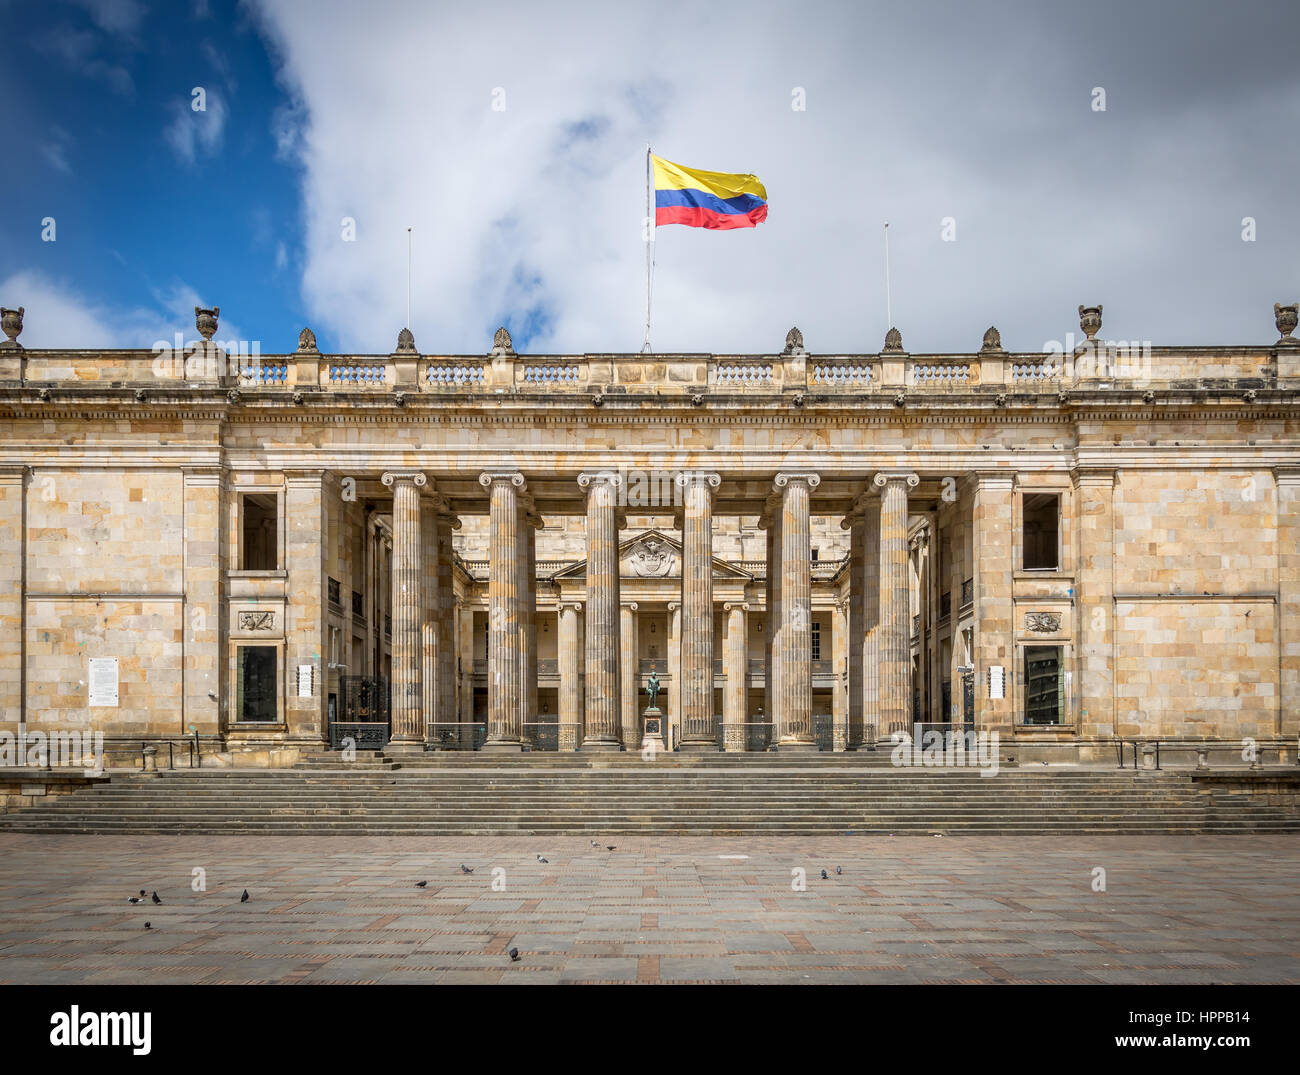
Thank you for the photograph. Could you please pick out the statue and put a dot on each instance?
(652, 691)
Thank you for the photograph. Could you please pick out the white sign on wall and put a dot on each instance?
(997, 681)
(304, 680)
(103, 681)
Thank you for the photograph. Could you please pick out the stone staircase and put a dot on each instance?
(468, 794)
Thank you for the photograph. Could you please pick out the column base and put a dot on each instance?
(794, 747)
(504, 746)
(601, 746)
(404, 746)
(697, 746)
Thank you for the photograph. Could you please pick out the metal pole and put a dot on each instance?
(408, 279)
(649, 240)
(889, 317)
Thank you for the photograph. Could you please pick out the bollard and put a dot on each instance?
(150, 759)
(1202, 757)
(1148, 757)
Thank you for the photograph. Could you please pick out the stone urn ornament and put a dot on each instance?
(206, 321)
(1285, 317)
(12, 323)
(1090, 320)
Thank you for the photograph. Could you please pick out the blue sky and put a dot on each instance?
(153, 202)
(384, 114)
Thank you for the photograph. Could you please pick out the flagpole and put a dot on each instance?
(649, 241)
(889, 317)
(408, 279)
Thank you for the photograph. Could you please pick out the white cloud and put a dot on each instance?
(533, 215)
(55, 150)
(60, 316)
(193, 134)
(121, 17)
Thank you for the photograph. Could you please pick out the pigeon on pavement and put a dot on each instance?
(244, 897)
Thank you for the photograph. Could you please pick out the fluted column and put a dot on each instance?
(446, 675)
(465, 665)
(407, 608)
(505, 687)
(529, 521)
(840, 694)
(570, 648)
(894, 651)
(735, 698)
(603, 709)
(629, 668)
(871, 728)
(430, 640)
(794, 644)
(698, 732)
(855, 524)
(674, 674)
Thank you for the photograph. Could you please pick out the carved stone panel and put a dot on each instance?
(1046, 623)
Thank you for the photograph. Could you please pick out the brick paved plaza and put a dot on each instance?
(671, 909)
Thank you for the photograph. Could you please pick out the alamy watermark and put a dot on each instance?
(948, 749)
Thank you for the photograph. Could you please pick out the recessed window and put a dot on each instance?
(1041, 521)
(259, 540)
(816, 641)
(1044, 685)
(255, 688)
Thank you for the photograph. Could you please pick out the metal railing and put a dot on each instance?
(1137, 745)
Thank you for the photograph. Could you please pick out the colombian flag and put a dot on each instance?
(698, 199)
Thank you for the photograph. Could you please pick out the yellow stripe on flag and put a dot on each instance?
(670, 176)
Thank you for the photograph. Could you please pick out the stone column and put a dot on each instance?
(444, 684)
(305, 636)
(855, 524)
(794, 668)
(505, 688)
(529, 521)
(1288, 592)
(735, 698)
(603, 708)
(204, 612)
(629, 667)
(995, 642)
(840, 694)
(465, 664)
(1094, 601)
(407, 608)
(871, 728)
(895, 630)
(430, 641)
(570, 662)
(698, 732)
(674, 674)
(767, 522)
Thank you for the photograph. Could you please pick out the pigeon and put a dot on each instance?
(156, 899)
(514, 955)
(839, 870)
(540, 859)
(244, 897)
(421, 884)
(594, 844)
(824, 877)
(134, 899)
(465, 869)
(609, 848)
(143, 892)
(148, 925)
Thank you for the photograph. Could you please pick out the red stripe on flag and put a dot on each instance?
(707, 218)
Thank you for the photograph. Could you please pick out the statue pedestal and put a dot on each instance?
(652, 718)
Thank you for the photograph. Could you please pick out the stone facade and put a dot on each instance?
(449, 551)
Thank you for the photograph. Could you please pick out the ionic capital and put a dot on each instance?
(588, 478)
(742, 606)
(490, 477)
(416, 477)
(631, 606)
(686, 478)
(884, 478)
(809, 479)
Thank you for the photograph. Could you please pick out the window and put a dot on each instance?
(1044, 685)
(1041, 513)
(816, 641)
(815, 553)
(255, 689)
(259, 542)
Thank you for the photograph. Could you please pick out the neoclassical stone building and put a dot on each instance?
(279, 552)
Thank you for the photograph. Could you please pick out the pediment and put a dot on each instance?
(652, 555)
